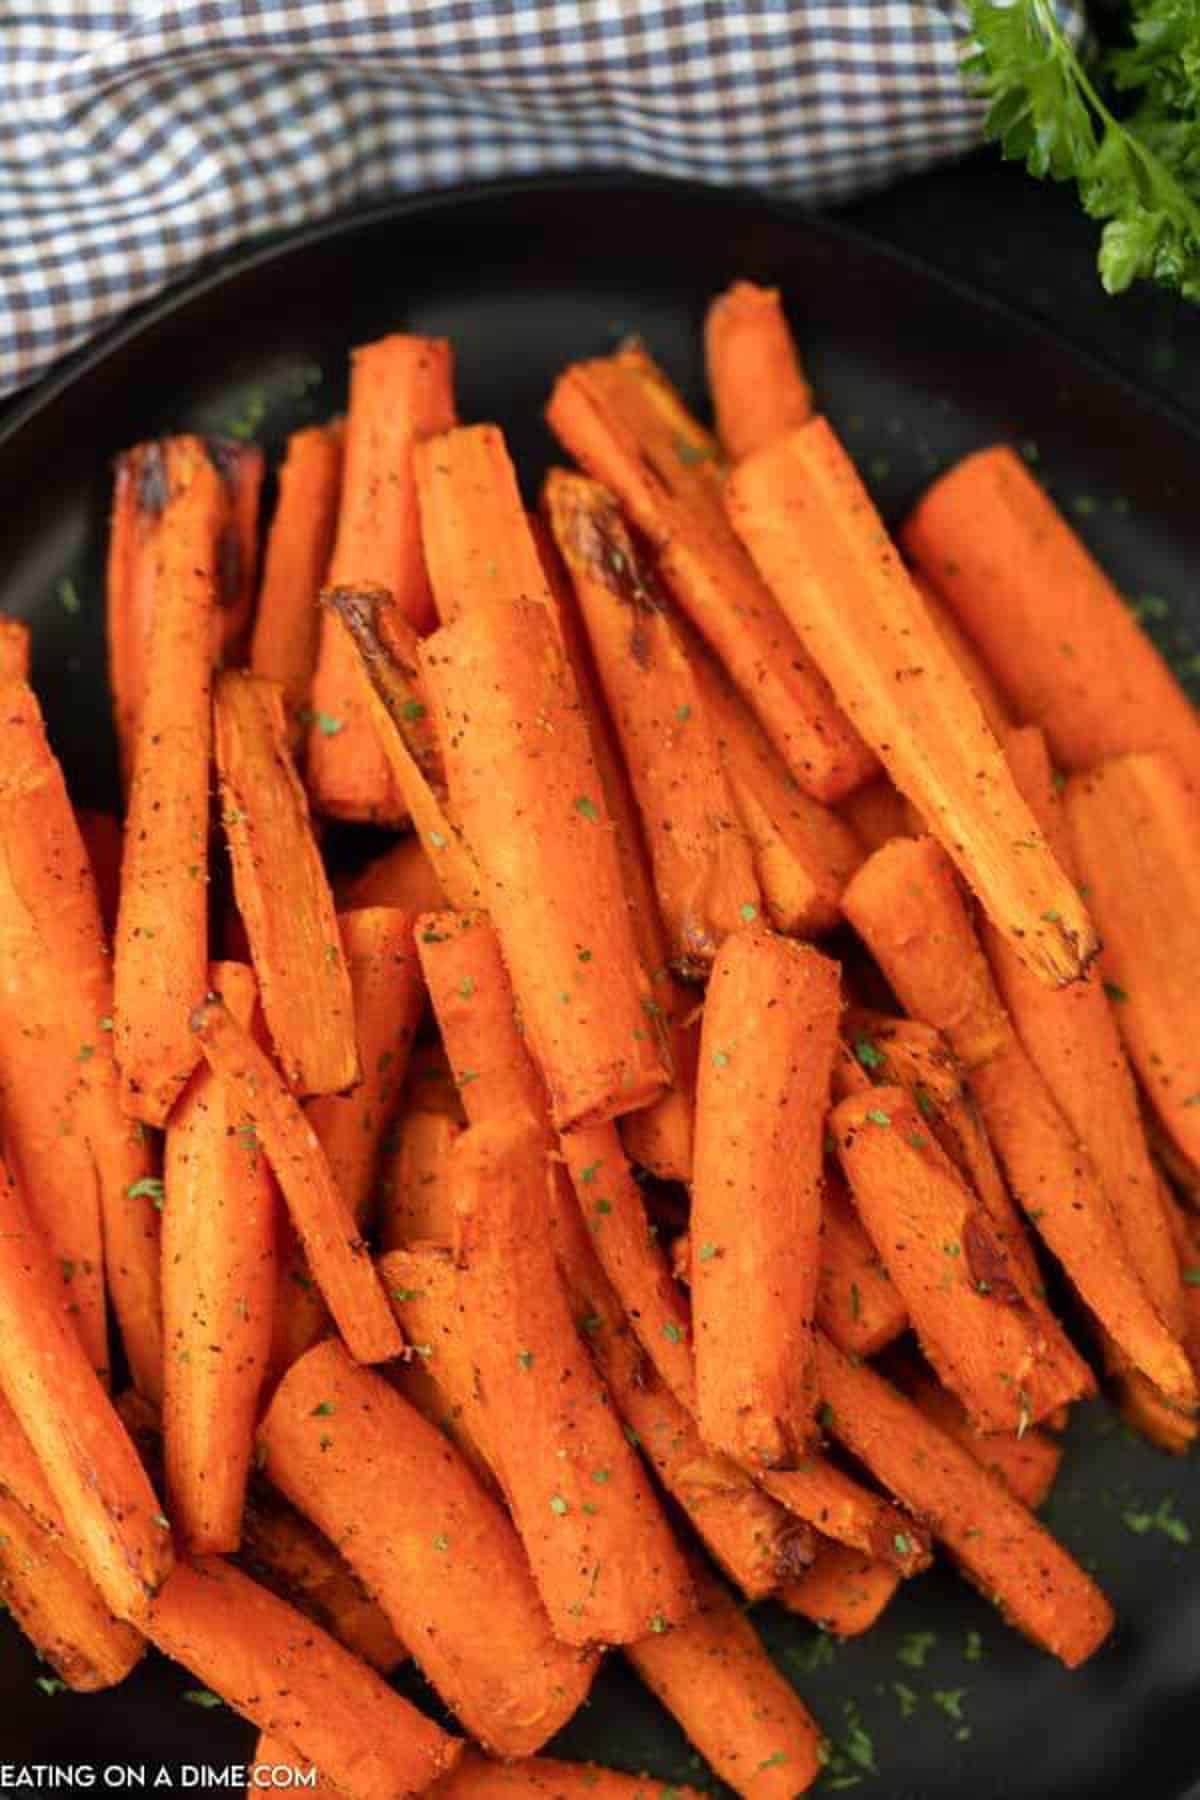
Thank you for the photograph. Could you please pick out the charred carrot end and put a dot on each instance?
(1027, 1464)
(974, 1313)
(478, 545)
(844, 1592)
(415, 1202)
(521, 771)
(1135, 824)
(241, 467)
(822, 549)
(716, 1678)
(58, 1608)
(845, 1510)
(660, 466)
(287, 622)
(282, 890)
(993, 544)
(766, 1051)
(15, 649)
(218, 1298)
(997, 1541)
(336, 1439)
(402, 877)
(701, 858)
(324, 1222)
(161, 946)
(857, 1303)
(601, 1551)
(108, 1507)
(399, 718)
(759, 390)
(401, 390)
(290, 1679)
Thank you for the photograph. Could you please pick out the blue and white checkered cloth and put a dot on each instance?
(138, 137)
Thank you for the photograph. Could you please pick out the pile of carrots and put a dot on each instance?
(636, 1170)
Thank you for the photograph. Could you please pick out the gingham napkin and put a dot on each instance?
(138, 137)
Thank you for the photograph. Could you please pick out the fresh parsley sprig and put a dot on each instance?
(1139, 172)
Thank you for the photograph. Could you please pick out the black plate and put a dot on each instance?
(914, 372)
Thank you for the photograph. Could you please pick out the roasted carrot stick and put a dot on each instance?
(399, 719)
(282, 890)
(402, 876)
(766, 1050)
(439, 1378)
(477, 541)
(978, 676)
(1135, 824)
(759, 389)
(524, 784)
(103, 839)
(702, 860)
(659, 1137)
(56, 1047)
(857, 1302)
(627, 428)
(477, 1777)
(844, 1592)
(415, 1203)
(323, 1220)
(905, 903)
(288, 1555)
(241, 467)
(1026, 1464)
(978, 1321)
(219, 1273)
(161, 938)
(401, 390)
(58, 1608)
(287, 622)
(1000, 1545)
(108, 1506)
(992, 542)
(821, 547)
(282, 1672)
(445, 1563)
(843, 1509)
(876, 812)
(716, 1678)
(601, 1551)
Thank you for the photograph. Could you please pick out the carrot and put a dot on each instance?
(218, 1296)
(341, 1443)
(415, 1202)
(623, 423)
(21, 1476)
(282, 890)
(285, 1553)
(399, 719)
(1026, 1463)
(974, 669)
(1135, 824)
(283, 1673)
(716, 1678)
(301, 1316)
(478, 545)
(439, 1378)
(759, 389)
(524, 784)
(56, 1052)
(287, 623)
(857, 1303)
(103, 839)
(58, 1608)
(109, 1508)
(821, 547)
(998, 1542)
(161, 939)
(323, 1220)
(401, 390)
(601, 1551)
(992, 542)
(905, 904)
(702, 860)
(542, 1777)
(979, 1322)
(877, 812)
(402, 876)
(844, 1592)
(241, 467)
(659, 1136)
(842, 1509)
(770, 1026)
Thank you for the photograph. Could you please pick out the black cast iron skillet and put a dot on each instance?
(913, 371)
